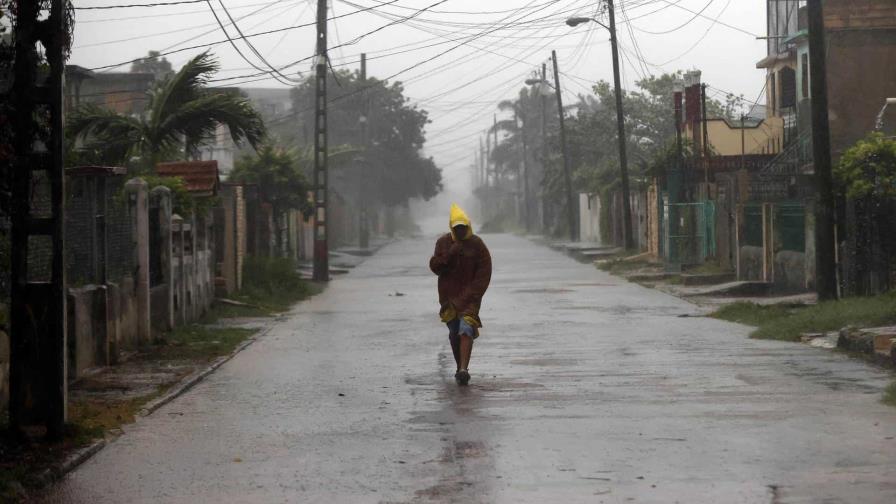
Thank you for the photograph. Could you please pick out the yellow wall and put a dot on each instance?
(725, 137)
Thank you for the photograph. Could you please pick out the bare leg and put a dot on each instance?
(455, 348)
(466, 350)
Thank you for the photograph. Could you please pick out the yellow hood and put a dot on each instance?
(458, 216)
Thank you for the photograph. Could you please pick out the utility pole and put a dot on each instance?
(705, 138)
(364, 234)
(483, 180)
(620, 123)
(37, 374)
(488, 155)
(544, 146)
(495, 128)
(523, 118)
(321, 249)
(567, 178)
(825, 260)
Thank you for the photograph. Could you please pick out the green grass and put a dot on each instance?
(788, 322)
(200, 342)
(620, 265)
(890, 395)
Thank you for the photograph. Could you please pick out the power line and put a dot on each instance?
(251, 35)
(243, 37)
(128, 6)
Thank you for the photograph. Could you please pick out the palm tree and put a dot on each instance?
(182, 112)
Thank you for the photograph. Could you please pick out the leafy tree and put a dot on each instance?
(868, 168)
(182, 113)
(160, 68)
(395, 169)
(278, 174)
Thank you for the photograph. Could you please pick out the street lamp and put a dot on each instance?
(879, 124)
(620, 121)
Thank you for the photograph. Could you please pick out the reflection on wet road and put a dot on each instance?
(585, 389)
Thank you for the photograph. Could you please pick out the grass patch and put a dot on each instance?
(623, 264)
(890, 395)
(788, 322)
(708, 268)
(273, 285)
(97, 416)
(199, 342)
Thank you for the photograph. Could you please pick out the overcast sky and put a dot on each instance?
(490, 48)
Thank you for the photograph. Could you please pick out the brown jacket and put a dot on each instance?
(465, 270)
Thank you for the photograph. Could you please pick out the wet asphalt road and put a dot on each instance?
(585, 389)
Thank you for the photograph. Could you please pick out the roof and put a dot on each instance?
(200, 177)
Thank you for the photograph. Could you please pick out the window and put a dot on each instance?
(788, 87)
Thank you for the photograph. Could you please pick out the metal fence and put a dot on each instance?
(689, 230)
(98, 231)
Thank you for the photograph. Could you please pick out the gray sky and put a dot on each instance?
(506, 41)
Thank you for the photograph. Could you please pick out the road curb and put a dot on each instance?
(197, 376)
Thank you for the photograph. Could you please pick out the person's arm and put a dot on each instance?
(443, 257)
(481, 279)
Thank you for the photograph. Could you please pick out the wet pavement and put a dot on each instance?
(585, 388)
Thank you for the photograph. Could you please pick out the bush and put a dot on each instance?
(273, 282)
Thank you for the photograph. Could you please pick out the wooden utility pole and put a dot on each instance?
(523, 119)
(544, 147)
(567, 177)
(321, 249)
(825, 260)
(705, 138)
(620, 125)
(497, 166)
(364, 232)
(37, 380)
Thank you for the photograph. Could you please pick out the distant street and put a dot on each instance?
(585, 388)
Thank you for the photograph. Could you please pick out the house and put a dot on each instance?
(123, 92)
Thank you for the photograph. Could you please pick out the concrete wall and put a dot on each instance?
(730, 139)
(589, 218)
(230, 229)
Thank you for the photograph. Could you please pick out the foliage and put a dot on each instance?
(160, 68)
(592, 136)
(788, 322)
(391, 167)
(273, 283)
(182, 202)
(279, 176)
(182, 113)
(868, 168)
(890, 395)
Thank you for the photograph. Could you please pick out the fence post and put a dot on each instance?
(179, 274)
(138, 210)
(162, 195)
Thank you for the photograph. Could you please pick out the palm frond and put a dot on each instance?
(186, 85)
(197, 120)
(118, 134)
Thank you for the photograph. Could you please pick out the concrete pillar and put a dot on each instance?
(179, 274)
(138, 209)
(162, 197)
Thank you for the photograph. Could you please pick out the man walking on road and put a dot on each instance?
(464, 266)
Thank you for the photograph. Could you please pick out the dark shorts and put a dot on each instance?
(457, 327)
